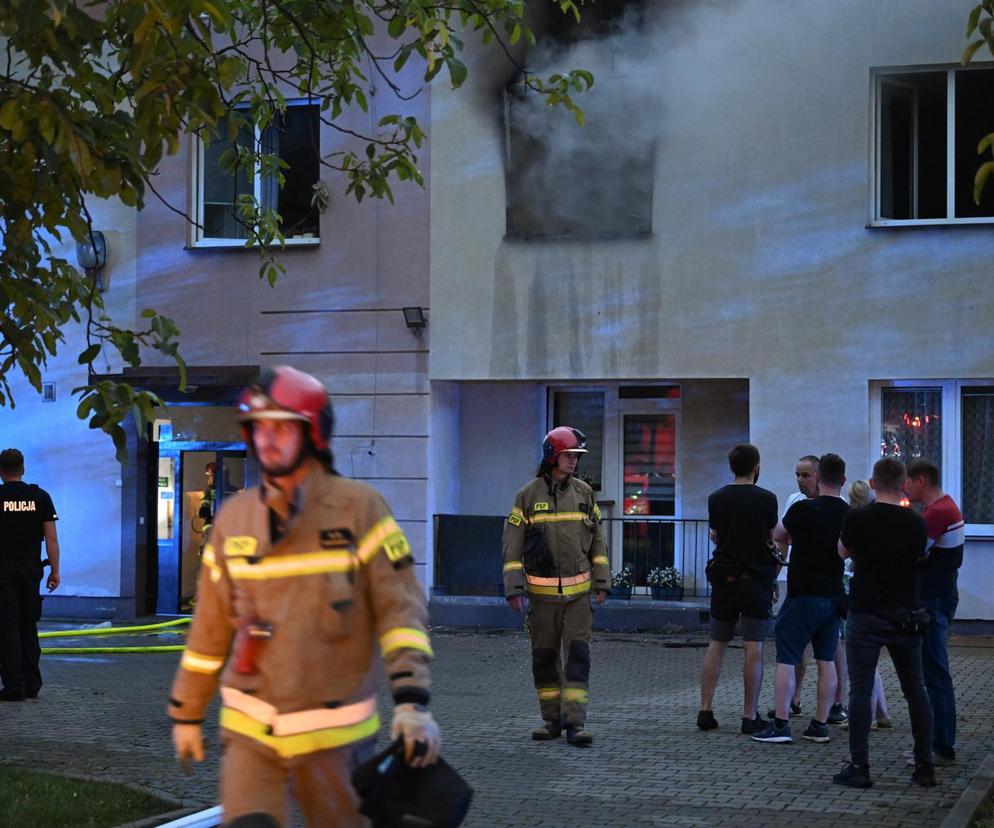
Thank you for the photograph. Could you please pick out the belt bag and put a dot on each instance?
(915, 622)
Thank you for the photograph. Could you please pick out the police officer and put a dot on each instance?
(554, 554)
(27, 517)
(305, 581)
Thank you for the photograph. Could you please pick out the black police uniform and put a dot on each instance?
(24, 509)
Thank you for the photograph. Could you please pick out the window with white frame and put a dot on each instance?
(950, 423)
(293, 137)
(927, 124)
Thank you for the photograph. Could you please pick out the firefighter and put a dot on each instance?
(554, 555)
(304, 580)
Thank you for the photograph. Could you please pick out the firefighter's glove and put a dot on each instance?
(422, 738)
(188, 740)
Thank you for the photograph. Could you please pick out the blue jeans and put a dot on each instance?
(938, 681)
(865, 635)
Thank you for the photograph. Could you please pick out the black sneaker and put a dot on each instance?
(924, 775)
(706, 720)
(11, 695)
(795, 711)
(773, 734)
(854, 776)
(838, 714)
(757, 725)
(816, 732)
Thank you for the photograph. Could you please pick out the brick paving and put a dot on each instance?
(102, 716)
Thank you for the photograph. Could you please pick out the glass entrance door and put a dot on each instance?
(649, 490)
(194, 481)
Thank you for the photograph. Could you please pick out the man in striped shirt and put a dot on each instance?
(945, 526)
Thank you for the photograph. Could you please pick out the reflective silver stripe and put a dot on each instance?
(303, 721)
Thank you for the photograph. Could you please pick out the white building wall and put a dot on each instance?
(61, 454)
(760, 265)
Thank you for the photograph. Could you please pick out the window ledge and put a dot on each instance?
(239, 244)
(877, 223)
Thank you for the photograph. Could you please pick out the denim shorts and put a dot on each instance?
(807, 618)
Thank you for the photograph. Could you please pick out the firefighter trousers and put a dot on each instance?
(255, 780)
(560, 635)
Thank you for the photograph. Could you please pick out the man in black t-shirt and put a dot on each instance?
(810, 613)
(27, 517)
(885, 541)
(741, 516)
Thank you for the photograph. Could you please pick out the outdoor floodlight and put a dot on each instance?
(415, 320)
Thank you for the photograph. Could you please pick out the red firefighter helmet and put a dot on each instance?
(563, 439)
(284, 393)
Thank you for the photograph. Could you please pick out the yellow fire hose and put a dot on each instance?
(164, 627)
(169, 648)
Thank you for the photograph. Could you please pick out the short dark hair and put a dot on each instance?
(809, 458)
(11, 461)
(743, 459)
(889, 475)
(927, 469)
(832, 469)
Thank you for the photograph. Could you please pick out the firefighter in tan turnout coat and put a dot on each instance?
(554, 554)
(305, 580)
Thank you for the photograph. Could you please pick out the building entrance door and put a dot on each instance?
(193, 481)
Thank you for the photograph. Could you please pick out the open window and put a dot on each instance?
(927, 124)
(293, 136)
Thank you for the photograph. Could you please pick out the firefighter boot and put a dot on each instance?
(548, 731)
(579, 736)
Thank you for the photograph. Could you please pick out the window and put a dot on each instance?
(926, 129)
(294, 138)
(951, 424)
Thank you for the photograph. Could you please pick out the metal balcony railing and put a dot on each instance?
(468, 553)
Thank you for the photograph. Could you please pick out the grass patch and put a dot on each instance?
(33, 800)
(984, 818)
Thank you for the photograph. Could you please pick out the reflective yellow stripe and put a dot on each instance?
(290, 566)
(375, 537)
(547, 693)
(568, 581)
(558, 517)
(576, 694)
(298, 744)
(601, 560)
(209, 557)
(511, 566)
(575, 589)
(200, 663)
(408, 637)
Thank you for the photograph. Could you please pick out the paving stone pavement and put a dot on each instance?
(103, 716)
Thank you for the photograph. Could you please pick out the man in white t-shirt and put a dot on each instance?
(806, 472)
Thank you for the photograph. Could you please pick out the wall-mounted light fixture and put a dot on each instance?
(415, 320)
(92, 257)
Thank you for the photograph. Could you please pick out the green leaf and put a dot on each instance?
(89, 354)
(457, 72)
(970, 51)
(971, 22)
(985, 142)
(980, 180)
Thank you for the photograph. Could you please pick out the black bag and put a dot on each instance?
(915, 622)
(722, 571)
(395, 795)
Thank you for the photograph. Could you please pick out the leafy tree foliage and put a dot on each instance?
(93, 95)
(981, 24)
